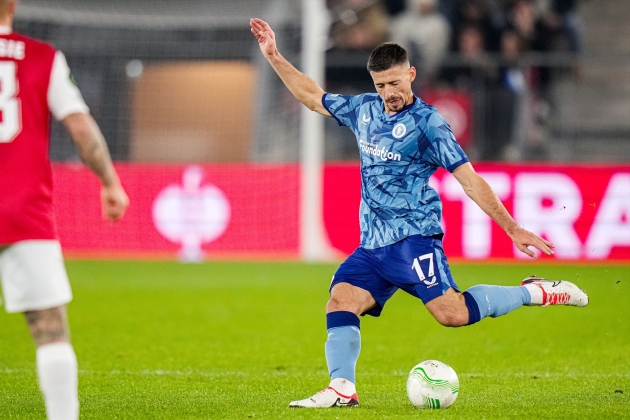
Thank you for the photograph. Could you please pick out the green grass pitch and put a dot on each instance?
(239, 340)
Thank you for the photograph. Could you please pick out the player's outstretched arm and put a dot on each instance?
(305, 89)
(93, 149)
(481, 193)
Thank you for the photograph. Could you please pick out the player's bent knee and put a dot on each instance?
(449, 309)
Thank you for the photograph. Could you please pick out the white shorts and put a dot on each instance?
(33, 276)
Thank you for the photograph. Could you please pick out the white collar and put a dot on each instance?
(5, 30)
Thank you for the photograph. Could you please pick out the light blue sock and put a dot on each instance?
(495, 301)
(343, 345)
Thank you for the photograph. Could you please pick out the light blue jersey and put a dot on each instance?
(399, 153)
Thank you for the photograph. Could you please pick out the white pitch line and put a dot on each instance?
(284, 373)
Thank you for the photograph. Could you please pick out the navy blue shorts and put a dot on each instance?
(416, 264)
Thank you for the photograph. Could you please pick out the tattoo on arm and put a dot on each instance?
(97, 158)
(92, 146)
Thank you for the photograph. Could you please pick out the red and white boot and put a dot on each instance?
(554, 292)
(340, 393)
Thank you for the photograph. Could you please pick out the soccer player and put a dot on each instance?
(402, 141)
(34, 82)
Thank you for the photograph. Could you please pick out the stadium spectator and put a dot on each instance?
(402, 141)
(469, 71)
(477, 13)
(36, 82)
(506, 102)
(561, 17)
(395, 7)
(358, 24)
(425, 33)
(524, 18)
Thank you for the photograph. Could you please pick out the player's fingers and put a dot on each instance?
(264, 27)
(544, 248)
(262, 23)
(546, 242)
(115, 213)
(256, 29)
(541, 244)
(114, 208)
(257, 35)
(108, 213)
(525, 250)
(257, 25)
(260, 35)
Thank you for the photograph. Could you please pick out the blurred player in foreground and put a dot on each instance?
(34, 82)
(402, 141)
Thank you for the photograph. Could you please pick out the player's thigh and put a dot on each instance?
(362, 271)
(347, 297)
(33, 276)
(418, 265)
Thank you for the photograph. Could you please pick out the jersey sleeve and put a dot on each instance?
(440, 146)
(342, 108)
(64, 97)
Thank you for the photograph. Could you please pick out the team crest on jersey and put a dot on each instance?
(399, 130)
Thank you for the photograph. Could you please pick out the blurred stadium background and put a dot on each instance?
(221, 162)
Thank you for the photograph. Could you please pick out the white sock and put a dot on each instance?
(58, 379)
(535, 292)
(343, 386)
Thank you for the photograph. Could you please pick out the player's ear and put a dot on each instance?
(412, 74)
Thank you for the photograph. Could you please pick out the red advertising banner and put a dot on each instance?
(252, 211)
(583, 210)
(224, 210)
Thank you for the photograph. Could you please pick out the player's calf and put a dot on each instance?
(57, 369)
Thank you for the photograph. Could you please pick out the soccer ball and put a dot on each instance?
(432, 384)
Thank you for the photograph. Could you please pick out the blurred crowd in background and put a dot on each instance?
(517, 80)
(476, 47)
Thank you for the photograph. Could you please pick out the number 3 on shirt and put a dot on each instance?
(10, 118)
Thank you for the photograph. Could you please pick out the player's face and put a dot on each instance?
(394, 86)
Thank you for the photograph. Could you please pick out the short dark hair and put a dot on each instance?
(385, 56)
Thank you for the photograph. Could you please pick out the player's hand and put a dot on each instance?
(523, 239)
(265, 36)
(114, 202)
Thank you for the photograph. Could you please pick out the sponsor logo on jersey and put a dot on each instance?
(373, 150)
(431, 283)
(365, 119)
(399, 130)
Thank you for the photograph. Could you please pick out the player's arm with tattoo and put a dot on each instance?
(93, 149)
(481, 193)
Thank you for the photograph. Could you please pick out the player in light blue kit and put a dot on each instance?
(402, 142)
